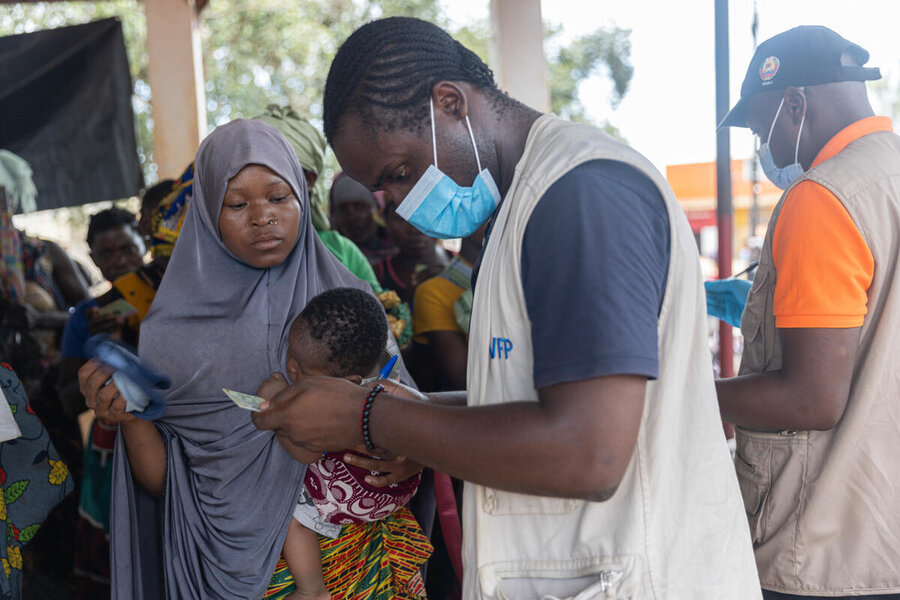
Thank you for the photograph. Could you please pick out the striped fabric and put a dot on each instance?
(368, 561)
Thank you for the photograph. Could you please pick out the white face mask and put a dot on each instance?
(782, 177)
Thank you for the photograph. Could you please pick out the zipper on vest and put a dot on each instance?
(604, 589)
(608, 579)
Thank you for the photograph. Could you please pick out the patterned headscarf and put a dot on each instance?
(12, 271)
(168, 216)
(309, 145)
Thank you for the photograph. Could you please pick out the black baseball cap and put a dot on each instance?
(805, 55)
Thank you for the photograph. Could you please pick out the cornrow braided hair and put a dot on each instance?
(351, 324)
(387, 68)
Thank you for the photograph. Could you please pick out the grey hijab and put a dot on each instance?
(218, 323)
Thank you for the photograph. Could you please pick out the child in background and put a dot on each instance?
(341, 333)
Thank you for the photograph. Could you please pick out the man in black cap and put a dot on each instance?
(817, 402)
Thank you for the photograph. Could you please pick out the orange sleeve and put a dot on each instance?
(823, 264)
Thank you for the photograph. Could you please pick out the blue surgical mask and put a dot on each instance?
(440, 208)
(782, 177)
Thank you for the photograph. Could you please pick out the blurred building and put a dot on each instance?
(695, 187)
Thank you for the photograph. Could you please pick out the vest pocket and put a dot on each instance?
(754, 482)
(767, 465)
(609, 578)
(497, 502)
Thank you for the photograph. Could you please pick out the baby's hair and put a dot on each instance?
(351, 324)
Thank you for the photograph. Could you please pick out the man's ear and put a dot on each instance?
(449, 99)
(311, 178)
(795, 104)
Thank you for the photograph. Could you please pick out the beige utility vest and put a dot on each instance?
(675, 528)
(824, 506)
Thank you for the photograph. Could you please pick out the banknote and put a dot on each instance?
(119, 308)
(245, 400)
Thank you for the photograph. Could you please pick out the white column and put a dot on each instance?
(176, 81)
(517, 51)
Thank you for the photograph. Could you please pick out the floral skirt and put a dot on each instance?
(33, 480)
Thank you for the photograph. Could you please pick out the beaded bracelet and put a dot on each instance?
(366, 412)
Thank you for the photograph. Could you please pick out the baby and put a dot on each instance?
(340, 333)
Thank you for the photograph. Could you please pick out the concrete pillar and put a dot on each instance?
(176, 81)
(517, 51)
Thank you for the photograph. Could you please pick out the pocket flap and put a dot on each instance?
(499, 502)
(751, 324)
(616, 578)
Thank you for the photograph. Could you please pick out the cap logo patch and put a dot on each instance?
(768, 69)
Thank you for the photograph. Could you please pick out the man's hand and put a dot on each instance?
(318, 414)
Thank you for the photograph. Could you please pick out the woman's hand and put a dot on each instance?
(392, 471)
(109, 324)
(101, 394)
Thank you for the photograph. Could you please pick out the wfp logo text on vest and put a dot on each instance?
(500, 347)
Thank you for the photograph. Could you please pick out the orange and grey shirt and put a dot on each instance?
(824, 266)
(822, 504)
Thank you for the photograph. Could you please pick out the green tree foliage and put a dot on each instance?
(885, 94)
(258, 52)
(607, 48)
(263, 51)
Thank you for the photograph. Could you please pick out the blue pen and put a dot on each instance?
(386, 371)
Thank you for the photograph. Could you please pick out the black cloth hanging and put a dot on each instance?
(65, 107)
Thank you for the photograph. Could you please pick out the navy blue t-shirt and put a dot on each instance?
(595, 258)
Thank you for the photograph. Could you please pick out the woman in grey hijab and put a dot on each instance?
(244, 266)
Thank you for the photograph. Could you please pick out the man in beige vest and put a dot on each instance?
(817, 402)
(589, 436)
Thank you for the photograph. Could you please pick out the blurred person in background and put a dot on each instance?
(355, 212)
